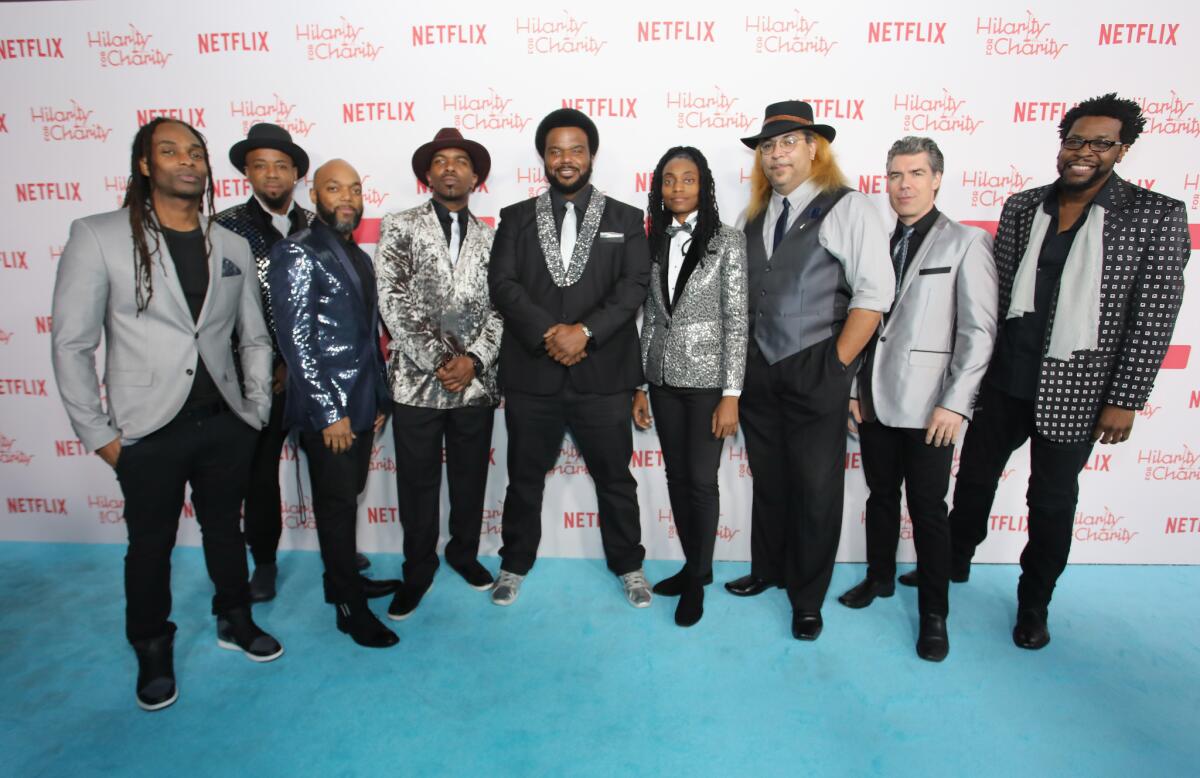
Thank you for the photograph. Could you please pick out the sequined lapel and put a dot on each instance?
(548, 237)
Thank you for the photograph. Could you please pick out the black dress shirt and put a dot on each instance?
(444, 215)
(1018, 360)
(558, 204)
(920, 230)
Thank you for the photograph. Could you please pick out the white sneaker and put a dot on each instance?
(637, 589)
(507, 588)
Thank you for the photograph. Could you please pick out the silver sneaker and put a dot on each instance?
(637, 589)
(507, 588)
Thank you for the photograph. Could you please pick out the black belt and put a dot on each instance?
(201, 412)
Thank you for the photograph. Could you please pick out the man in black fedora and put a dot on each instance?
(568, 273)
(431, 265)
(819, 279)
(273, 164)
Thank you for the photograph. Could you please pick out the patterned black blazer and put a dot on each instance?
(1146, 247)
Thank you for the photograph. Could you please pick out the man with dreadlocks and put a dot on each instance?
(167, 287)
(819, 278)
(1069, 370)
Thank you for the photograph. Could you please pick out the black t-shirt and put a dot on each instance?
(190, 256)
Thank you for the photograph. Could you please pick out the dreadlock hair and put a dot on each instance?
(1127, 112)
(825, 174)
(708, 219)
(139, 201)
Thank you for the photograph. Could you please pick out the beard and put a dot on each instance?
(561, 188)
(276, 203)
(1099, 173)
(344, 227)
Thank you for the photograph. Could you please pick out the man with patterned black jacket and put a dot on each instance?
(1069, 370)
(273, 164)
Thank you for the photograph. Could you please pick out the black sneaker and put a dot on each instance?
(236, 631)
(406, 600)
(156, 672)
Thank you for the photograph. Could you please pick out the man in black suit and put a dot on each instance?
(1073, 369)
(568, 272)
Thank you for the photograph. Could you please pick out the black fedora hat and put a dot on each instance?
(450, 138)
(268, 136)
(787, 116)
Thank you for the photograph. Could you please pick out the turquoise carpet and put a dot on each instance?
(571, 681)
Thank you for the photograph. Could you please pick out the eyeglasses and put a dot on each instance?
(1098, 145)
(787, 143)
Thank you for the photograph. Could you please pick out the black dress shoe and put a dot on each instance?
(262, 583)
(865, 593)
(236, 631)
(933, 643)
(156, 672)
(361, 625)
(407, 598)
(1031, 631)
(747, 586)
(691, 606)
(475, 574)
(909, 579)
(361, 561)
(677, 584)
(373, 588)
(806, 626)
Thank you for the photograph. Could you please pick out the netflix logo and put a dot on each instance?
(1138, 34)
(31, 48)
(223, 42)
(449, 35)
(697, 31)
(392, 111)
(907, 32)
(604, 107)
(192, 115)
(39, 191)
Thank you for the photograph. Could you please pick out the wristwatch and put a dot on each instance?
(586, 330)
(477, 362)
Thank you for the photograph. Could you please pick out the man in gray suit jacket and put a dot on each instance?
(166, 286)
(431, 264)
(919, 381)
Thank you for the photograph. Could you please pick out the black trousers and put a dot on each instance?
(892, 455)
(601, 427)
(418, 434)
(793, 414)
(1001, 424)
(263, 520)
(210, 449)
(692, 456)
(337, 480)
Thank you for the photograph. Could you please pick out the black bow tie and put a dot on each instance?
(675, 229)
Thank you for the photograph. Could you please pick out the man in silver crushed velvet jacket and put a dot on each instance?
(431, 264)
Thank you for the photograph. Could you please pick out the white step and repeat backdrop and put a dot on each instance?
(988, 80)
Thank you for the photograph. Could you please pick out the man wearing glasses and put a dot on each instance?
(1069, 370)
(820, 276)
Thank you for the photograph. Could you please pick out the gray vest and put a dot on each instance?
(799, 294)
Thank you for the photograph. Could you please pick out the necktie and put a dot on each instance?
(566, 240)
(900, 254)
(675, 229)
(455, 238)
(781, 225)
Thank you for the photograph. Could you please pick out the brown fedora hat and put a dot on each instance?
(787, 116)
(450, 138)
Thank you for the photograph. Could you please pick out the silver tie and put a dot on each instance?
(455, 238)
(566, 241)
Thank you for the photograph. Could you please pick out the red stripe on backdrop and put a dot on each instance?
(1195, 230)
(1176, 358)
(989, 226)
(368, 229)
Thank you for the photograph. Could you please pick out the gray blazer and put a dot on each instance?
(149, 357)
(935, 345)
(431, 306)
(701, 342)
